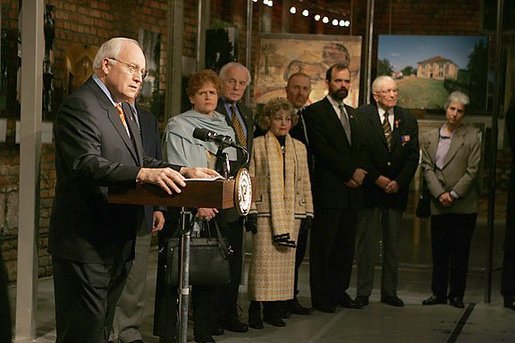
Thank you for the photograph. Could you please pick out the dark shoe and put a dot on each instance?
(346, 301)
(509, 303)
(274, 321)
(297, 308)
(217, 331)
(434, 300)
(205, 339)
(393, 301)
(284, 309)
(235, 325)
(456, 302)
(272, 313)
(324, 308)
(255, 320)
(361, 300)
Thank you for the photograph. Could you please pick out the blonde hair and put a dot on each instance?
(272, 107)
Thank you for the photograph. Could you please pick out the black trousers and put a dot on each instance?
(451, 235)
(331, 254)
(85, 299)
(300, 252)
(5, 310)
(228, 294)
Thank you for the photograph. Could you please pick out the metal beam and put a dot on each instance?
(32, 45)
(204, 8)
(368, 51)
(174, 61)
(248, 47)
(493, 152)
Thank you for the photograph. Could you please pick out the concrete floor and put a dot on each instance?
(478, 322)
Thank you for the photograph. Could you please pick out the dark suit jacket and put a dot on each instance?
(335, 159)
(248, 117)
(399, 164)
(231, 215)
(93, 152)
(152, 146)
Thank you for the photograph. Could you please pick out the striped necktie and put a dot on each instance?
(238, 129)
(122, 118)
(388, 134)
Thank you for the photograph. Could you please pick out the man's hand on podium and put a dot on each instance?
(166, 178)
(198, 173)
(172, 181)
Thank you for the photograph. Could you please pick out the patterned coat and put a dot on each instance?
(283, 198)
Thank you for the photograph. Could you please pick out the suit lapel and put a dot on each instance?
(137, 147)
(433, 144)
(333, 116)
(373, 117)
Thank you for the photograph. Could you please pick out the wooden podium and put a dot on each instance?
(197, 193)
(215, 194)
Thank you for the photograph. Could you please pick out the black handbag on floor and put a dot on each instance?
(423, 209)
(209, 259)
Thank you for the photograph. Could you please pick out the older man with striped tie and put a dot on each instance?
(391, 145)
(235, 79)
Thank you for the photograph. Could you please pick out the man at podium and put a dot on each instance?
(98, 147)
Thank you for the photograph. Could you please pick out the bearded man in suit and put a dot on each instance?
(391, 143)
(97, 147)
(338, 174)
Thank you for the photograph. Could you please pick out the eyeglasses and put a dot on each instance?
(388, 91)
(233, 82)
(133, 69)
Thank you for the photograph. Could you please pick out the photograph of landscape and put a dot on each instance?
(428, 68)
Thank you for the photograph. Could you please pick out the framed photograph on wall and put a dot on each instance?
(281, 55)
(429, 68)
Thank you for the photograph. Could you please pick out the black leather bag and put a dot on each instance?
(209, 259)
(423, 209)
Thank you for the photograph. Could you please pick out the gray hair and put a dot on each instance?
(378, 82)
(111, 48)
(229, 65)
(457, 96)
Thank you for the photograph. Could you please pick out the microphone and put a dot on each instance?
(222, 141)
(211, 136)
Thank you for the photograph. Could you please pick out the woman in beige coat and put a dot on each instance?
(450, 162)
(283, 201)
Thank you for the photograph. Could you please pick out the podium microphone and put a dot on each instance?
(222, 140)
(211, 136)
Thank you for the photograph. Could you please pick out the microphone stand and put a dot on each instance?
(222, 165)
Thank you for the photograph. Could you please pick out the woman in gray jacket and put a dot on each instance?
(450, 163)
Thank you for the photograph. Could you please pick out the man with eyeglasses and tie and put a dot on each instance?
(235, 79)
(98, 146)
(391, 144)
(338, 173)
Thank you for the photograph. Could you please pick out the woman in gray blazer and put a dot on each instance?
(450, 163)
